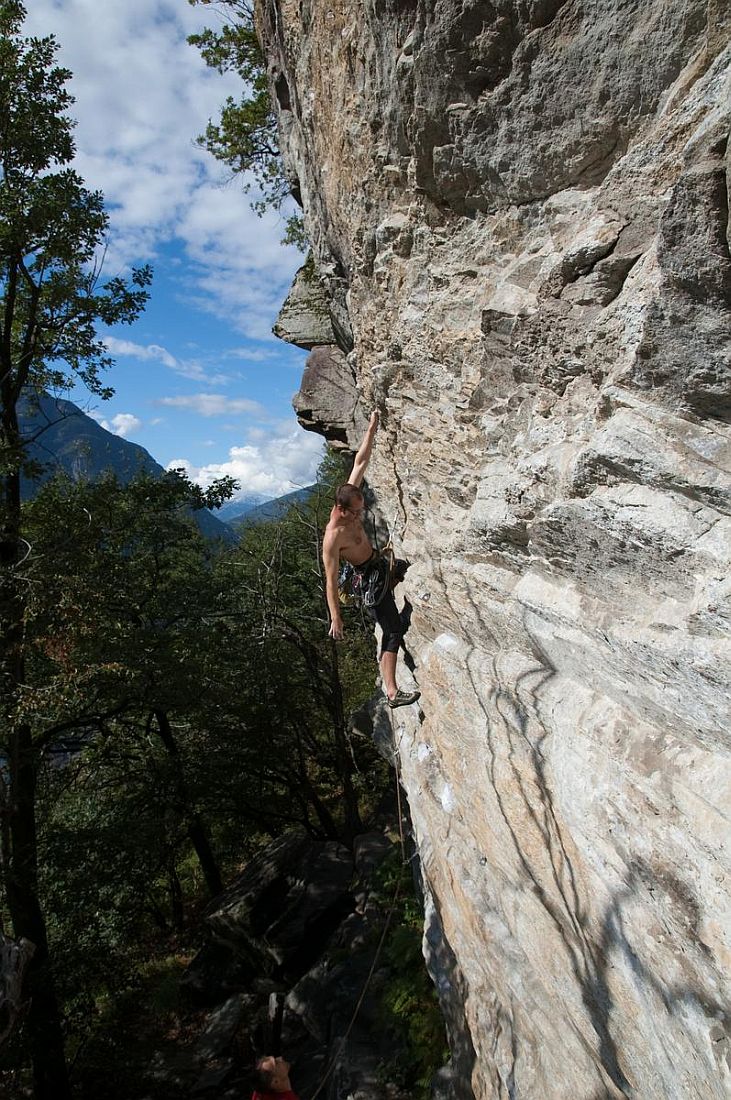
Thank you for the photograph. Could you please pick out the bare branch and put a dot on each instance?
(14, 960)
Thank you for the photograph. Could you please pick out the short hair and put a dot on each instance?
(347, 494)
(262, 1078)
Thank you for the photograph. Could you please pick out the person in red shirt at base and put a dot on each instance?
(271, 1078)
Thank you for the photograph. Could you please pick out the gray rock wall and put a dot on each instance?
(523, 205)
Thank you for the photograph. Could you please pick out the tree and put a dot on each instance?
(120, 633)
(200, 689)
(245, 138)
(51, 303)
(121, 611)
(301, 687)
(204, 707)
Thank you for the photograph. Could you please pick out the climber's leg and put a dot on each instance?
(388, 673)
(391, 623)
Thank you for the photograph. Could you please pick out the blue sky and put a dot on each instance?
(199, 380)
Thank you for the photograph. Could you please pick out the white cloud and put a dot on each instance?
(181, 464)
(188, 368)
(253, 355)
(123, 424)
(241, 272)
(271, 467)
(142, 96)
(141, 351)
(212, 404)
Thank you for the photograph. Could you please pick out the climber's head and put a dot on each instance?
(271, 1074)
(349, 499)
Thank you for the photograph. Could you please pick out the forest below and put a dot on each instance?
(186, 707)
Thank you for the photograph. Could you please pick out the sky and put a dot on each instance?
(199, 380)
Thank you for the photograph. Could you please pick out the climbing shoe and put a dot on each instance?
(403, 699)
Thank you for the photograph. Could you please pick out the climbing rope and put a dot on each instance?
(397, 767)
(404, 863)
(391, 909)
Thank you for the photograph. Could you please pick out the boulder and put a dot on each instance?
(217, 971)
(282, 910)
(221, 1027)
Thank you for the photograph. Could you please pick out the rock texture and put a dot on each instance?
(327, 400)
(523, 205)
(304, 319)
(275, 917)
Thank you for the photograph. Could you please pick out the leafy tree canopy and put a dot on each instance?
(185, 703)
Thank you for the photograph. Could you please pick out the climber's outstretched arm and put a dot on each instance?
(331, 561)
(364, 452)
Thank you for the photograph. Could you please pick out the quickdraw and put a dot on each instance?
(367, 584)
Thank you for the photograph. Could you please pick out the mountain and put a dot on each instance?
(63, 438)
(239, 506)
(270, 510)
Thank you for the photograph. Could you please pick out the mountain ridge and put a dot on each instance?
(62, 438)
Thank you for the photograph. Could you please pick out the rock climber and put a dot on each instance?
(345, 538)
(271, 1079)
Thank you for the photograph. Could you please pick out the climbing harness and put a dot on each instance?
(377, 580)
(367, 584)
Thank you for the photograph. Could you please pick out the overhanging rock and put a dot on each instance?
(304, 319)
(327, 401)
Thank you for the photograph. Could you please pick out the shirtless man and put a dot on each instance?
(345, 538)
(271, 1078)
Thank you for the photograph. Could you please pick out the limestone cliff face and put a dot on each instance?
(520, 219)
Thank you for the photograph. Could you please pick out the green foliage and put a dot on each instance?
(130, 616)
(299, 687)
(130, 1026)
(98, 862)
(245, 137)
(200, 685)
(52, 301)
(118, 585)
(295, 233)
(164, 976)
(120, 600)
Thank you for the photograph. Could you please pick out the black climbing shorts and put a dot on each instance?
(388, 617)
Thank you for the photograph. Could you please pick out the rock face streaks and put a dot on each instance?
(519, 212)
